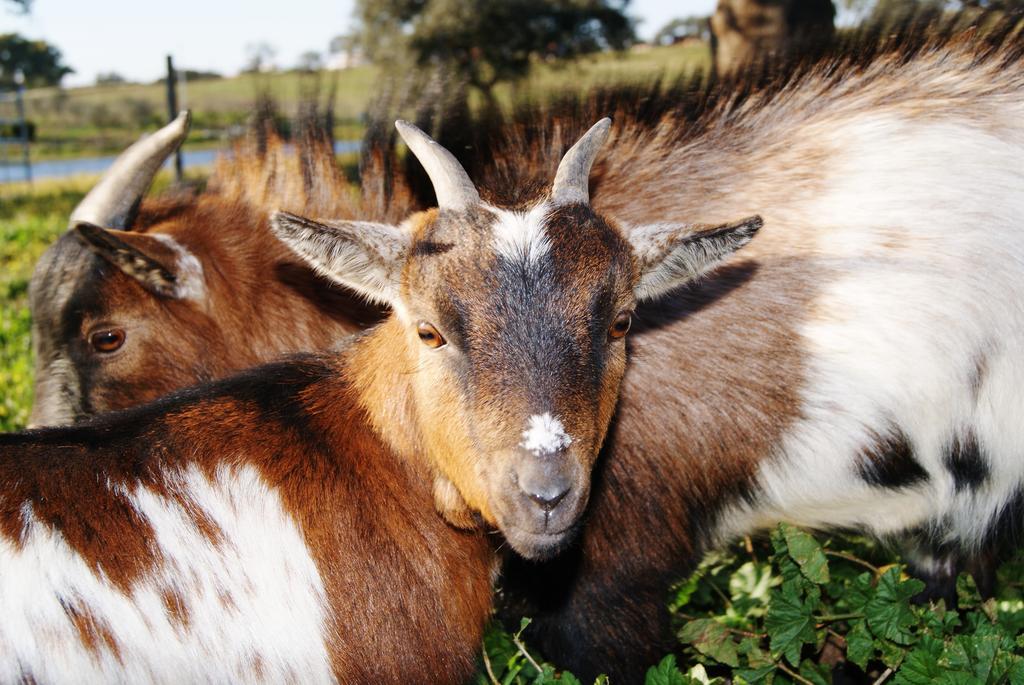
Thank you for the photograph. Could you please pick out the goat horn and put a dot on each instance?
(451, 183)
(114, 198)
(572, 179)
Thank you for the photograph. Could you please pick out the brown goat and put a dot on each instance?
(126, 308)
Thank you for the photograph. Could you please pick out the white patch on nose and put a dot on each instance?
(544, 435)
(520, 236)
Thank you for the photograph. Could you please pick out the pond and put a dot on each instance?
(62, 168)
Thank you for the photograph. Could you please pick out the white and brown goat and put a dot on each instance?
(857, 367)
(280, 525)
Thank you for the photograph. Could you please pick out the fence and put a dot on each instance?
(15, 164)
(80, 130)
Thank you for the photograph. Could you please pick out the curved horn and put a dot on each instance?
(451, 183)
(572, 179)
(112, 201)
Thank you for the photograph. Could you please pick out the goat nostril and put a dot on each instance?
(546, 501)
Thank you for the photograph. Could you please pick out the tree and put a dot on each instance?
(486, 42)
(38, 63)
(109, 78)
(747, 32)
(677, 29)
(25, 6)
(310, 61)
(260, 57)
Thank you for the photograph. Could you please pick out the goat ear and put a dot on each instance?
(673, 254)
(365, 256)
(157, 262)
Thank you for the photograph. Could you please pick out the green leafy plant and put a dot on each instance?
(797, 612)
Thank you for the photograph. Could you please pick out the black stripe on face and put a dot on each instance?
(890, 462)
(967, 463)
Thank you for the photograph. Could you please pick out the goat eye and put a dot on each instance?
(430, 336)
(620, 326)
(107, 341)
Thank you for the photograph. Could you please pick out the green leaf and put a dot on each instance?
(756, 657)
(764, 674)
(790, 622)
(547, 676)
(973, 654)
(807, 553)
(966, 590)
(860, 647)
(1012, 669)
(666, 673)
(697, 674)
(817, 674)
(711, 639)
(859, 592)
(921, 665)
(684, 591)
(892, 654)
(889, 613)
(939, 621)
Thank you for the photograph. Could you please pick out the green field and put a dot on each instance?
(30, 219)
(102, 120)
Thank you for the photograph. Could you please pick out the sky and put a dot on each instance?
(133, 37)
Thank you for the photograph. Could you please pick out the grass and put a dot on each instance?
(102, 120)
(30, 219)
(32, 216)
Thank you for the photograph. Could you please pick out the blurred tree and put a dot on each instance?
(109, 78)
(260, 57)
(310, 61)
(687, 27)
(888, 7)
(485, 42)
(39, 63)
(23, 5)
(748, 32)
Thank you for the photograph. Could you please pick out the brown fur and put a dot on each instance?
(408, 594)
(261, 301)
(469, 415)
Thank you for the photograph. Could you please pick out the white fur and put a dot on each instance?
(364, 256)
(668, 259)
(920, 228)
(191, 283)
(544, 434)
(521, 236)
(254, 599)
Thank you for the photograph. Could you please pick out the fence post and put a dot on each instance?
(23, 125)
(172, 111)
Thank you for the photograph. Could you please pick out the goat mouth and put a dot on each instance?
(543, 545)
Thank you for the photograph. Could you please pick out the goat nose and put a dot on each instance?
(548, 499)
